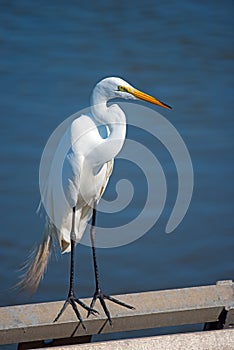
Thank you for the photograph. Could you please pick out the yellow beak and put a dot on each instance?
(142, 96)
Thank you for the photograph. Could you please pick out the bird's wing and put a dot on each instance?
(61, 187)
(72, 182)
(85, 213)
(109, 168)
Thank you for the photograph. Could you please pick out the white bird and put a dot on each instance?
(77, 178)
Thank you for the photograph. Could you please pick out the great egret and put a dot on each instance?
(85, 168)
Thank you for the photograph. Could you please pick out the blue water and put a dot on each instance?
(51, 57)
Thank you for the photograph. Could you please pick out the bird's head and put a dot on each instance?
(114, 87)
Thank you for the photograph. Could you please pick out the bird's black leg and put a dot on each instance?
(98, 292)
(71, 299)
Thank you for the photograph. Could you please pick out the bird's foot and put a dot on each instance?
(99, 295)
(72, 300)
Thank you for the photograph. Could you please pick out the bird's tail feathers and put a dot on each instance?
(36, 263)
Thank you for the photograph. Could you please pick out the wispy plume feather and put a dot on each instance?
(36, 263)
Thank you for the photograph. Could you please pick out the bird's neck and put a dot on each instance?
(114, 119)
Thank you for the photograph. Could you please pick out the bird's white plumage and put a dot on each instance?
(83, 162)
(79, 170)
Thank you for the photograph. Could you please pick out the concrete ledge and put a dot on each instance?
(27, 324)
(221, 339)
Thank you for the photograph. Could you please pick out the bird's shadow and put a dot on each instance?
(74, 333)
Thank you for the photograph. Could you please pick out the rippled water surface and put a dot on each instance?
(52, 54)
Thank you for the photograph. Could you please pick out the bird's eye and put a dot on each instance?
(122, 88)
